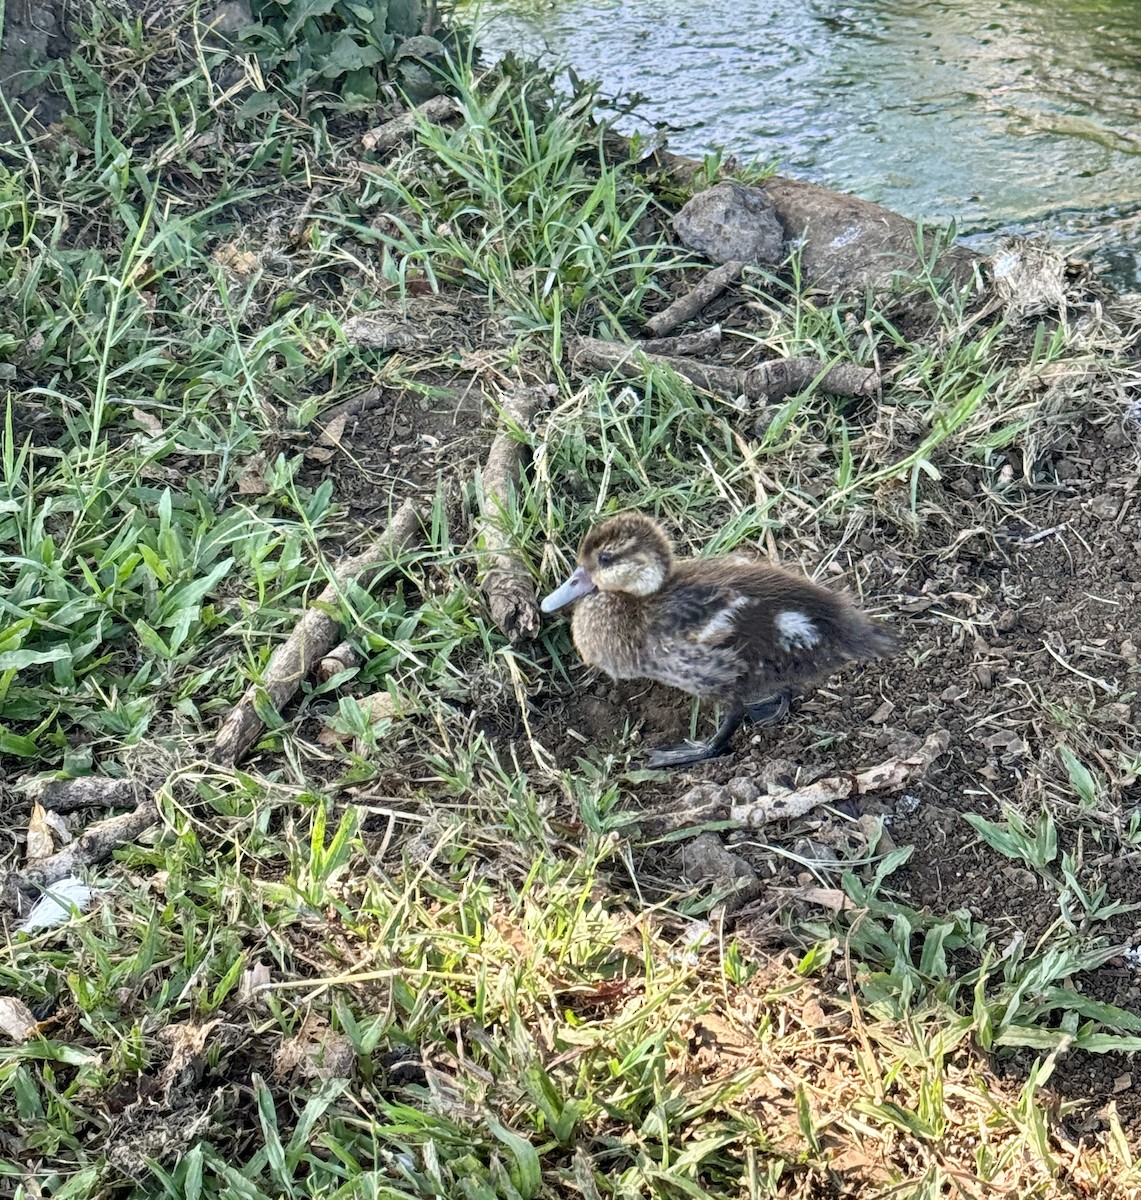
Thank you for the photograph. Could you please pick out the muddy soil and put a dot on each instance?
(1018, 611)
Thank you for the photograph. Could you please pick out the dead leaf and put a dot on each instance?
(148, 421)
(16, 1020)
(241, 262)
(331, 433)
(251, 482)
(831, 898)
(253, 983)
(39, 842)
(328, 736)
(882, 713)
(377, 706)
(813, 1015)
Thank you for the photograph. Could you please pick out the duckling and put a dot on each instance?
(721, 628)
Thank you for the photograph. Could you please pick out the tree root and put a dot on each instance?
(507, 583)
(770, 381)
(310, 641)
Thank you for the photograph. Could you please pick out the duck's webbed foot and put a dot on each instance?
(768, 711)
(678, 756)
(691, 752)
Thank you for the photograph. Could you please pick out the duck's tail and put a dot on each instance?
(861, 637)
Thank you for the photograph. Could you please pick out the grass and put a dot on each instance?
(413, 958)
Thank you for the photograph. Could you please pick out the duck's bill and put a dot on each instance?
(579, 584)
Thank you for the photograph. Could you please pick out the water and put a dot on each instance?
(1003, 115)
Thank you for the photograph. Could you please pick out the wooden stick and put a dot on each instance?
(507, 583)
(313, 636)
(342, 657)
(89, 791)
(771, 381)
(703, 341)
(685, 307)
(385, 137)
(95, 844)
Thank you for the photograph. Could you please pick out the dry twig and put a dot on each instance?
(507, 583)
(89, 791)
(887, 776)
(314, 634)
(93, 845)
(704, 341)
(389, 135)
(685, 307)
(744, 799)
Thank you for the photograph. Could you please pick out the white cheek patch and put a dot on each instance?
(795, 631)
(722, 623)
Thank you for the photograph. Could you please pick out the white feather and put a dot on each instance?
(795, 631)
(58, 904)
(723, 621)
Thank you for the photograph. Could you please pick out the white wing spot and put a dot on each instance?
(723, 621)
(795, 631)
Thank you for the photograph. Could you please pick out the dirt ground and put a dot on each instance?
(1018, 612)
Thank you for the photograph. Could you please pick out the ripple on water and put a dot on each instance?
(1007, 115)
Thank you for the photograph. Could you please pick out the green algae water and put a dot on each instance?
(1002, 115)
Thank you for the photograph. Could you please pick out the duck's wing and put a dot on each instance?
(778, 625)
(691, 639)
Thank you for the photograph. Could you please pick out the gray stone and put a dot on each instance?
(705, 860)
(730, 222)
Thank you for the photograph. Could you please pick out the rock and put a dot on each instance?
(705, 860)
(730, 222)
(809, 850)
(848, 244)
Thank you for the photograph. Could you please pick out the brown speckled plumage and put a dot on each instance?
(724, 628)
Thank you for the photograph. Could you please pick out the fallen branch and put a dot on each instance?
(685, 307)
(389, 135)
(507, 583)
(888, 776)
(342, 657)
(312, 638)
(703, 341)
(94, 844)
(770, 381)
(89, 791)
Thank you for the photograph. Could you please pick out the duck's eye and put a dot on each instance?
(606, 558)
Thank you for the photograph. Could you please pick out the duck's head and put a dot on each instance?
(628, 553)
